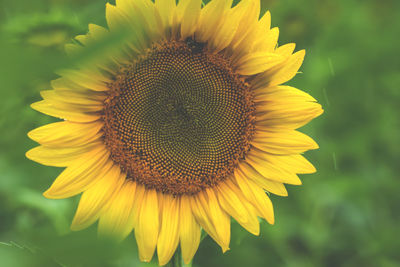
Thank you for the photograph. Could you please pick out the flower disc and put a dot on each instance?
(179, 119)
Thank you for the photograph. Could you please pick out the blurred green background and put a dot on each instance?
(347, 214)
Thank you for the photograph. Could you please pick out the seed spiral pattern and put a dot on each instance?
(178, 119)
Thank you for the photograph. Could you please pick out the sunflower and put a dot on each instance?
(183, 126)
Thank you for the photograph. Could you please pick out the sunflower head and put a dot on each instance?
(183, 126)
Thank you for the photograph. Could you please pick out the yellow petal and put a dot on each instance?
(166, 9)
(80, 175)
(286, 163)
(88, 79)
(58, 157)
(255, 30)
(226, 31)
(189, 230)
(270, 170)
(283, 142)
(96, 197)
(289, 70)
(67, 134)
(169, 232)
(248, 172)
(294, 163)
(117, 218)
(146, 13)
(230, 202)
(128, 17)
(267, 41)
(175, 25)
(58, 102)
(233, 202)
(210, 19)
(202, 214)
(257, 197)
(121, 26)
(139, 195)
(84, 39)
(87, 97)
(111, 61)
(190, 10)
(258, 62)
(220, 218)
(264, 22)
(117, 19)
(147, 228)
(66, 84)
(289, 115)
(286, 49)
(97, 32)
(281, 94)
(285, 107)
(67, 112)
(96, 35)
(282, 73)
(251, 13)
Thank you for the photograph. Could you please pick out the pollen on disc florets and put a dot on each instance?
(178, 119)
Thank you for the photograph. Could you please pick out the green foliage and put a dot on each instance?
(347, 214)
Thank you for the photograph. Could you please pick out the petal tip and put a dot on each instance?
(28, 154)
(48, 194)
(162, 262)
(225, 249)
(109, 5)
(36, 105)
(313, 145)
(320, 111)
(31, 135)
(32, 154)
(297, 183)
(51, 194)
(284, 194)
(312, 169)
